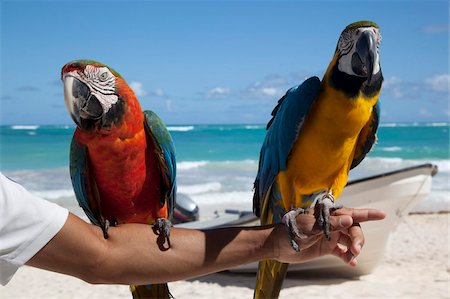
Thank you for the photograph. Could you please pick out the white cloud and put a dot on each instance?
(265, 89)
(392, 81)
(394, 86)
(217, 92)
(138, 89)
(439, 28)
(159, 92)
(425, 112)
(169, 105)
(439, 83)
(270, 91)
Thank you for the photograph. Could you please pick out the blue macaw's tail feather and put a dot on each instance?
(270, 279)
(271, 273)
(150, 291)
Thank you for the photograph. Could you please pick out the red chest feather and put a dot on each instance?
(127, 175)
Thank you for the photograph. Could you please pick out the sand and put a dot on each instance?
(415, 265)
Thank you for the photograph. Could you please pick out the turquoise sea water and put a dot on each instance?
(218, 163)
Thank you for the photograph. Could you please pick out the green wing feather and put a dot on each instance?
(166, 153)
(84, 186)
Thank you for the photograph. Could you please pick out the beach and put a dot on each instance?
(216, 168)
(415, 265)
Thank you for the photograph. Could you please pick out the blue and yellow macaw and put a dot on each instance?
(319, 131)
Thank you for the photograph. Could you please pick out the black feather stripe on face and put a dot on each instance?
(114, 115)
(353, 85)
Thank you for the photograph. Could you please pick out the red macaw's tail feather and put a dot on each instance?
(269, 279)
(151, 291)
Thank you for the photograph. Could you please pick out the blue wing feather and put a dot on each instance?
(80, 180)
(163, 141)
(282, 131)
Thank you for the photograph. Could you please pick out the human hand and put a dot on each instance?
(346, 242)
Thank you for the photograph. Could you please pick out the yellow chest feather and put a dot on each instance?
(324, 150)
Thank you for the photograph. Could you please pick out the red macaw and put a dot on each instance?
(122, 160)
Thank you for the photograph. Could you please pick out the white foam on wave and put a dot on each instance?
(180, 128)
(416, 124)
(388, 125)
(238, 164)
(443, 165)
(24, 127)
(199, 188)
(228, 164)
(230, 199)
(253, 127)
(186, 165)
(55, 194)
(390, 149)
(437, 200)
(383, 163)
(438, 124)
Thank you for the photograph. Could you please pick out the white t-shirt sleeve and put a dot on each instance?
(27, 223)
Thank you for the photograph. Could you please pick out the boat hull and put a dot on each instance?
(396, 193)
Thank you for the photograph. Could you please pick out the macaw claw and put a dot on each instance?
(290, 220)
(323, 208)
(106, 225)
(162, 226)
(105, 228)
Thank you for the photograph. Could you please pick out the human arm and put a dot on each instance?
(131, 254)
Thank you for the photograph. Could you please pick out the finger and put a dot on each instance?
(343, 243)
(341, 248)
(346, 256)
(356, 236)
(340, 222)
(361, 215)
(307, 223)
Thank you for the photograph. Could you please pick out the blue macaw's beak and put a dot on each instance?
(363, 58)
(84, 108)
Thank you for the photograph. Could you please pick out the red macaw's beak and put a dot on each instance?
(84, 108)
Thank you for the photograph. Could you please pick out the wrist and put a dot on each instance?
(270, 247)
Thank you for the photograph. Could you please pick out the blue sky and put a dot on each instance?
(217, 62)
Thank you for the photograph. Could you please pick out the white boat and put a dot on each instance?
(396, 193)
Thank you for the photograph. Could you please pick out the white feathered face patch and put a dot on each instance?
(102, 84)
(351, 46)
(90, 93)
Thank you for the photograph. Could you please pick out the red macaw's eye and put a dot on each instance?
(103, 76)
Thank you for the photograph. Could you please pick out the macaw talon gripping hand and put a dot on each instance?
(106, 225)
(290, 220)
(105, 228)
(162, 227)
(323, 208)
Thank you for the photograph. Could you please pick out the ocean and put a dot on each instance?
(217, 164)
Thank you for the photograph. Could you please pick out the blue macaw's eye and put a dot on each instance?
(103, 76)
